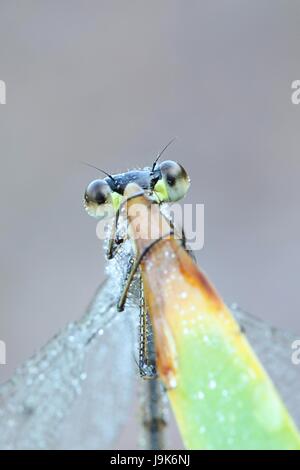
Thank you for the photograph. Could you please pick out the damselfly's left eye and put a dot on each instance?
(174, 182)
(99, 200)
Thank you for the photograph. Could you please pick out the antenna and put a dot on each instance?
(99, 169)
(161, 152)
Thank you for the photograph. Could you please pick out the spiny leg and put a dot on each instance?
(113, 242)
(132, 268)
(147, 363)
(153, 406)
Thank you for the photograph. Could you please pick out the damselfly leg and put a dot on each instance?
(147, 362)
(153, 399)
(115, 239)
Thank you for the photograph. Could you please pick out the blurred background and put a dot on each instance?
(111, 82)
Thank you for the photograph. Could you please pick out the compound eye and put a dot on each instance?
(175, 180)
(98, 199)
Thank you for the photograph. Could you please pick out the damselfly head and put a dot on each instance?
(173, 183)
(166, 182)
(100, 201)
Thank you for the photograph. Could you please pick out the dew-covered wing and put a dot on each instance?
(274, 348)
(65, 396)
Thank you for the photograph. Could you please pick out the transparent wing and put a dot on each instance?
(78, 377)
(102, 409)
(273, 347)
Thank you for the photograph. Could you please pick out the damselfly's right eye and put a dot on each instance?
(174, 182)
(99, 200)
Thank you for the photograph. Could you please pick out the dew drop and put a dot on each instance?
(212, 384)
(172, 383)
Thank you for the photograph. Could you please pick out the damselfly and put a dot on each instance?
(75, 392)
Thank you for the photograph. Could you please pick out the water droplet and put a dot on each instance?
(212, 384)
(172, 383)
(200, 395)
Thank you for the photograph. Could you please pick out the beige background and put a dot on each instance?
(110, 82)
